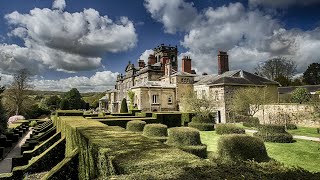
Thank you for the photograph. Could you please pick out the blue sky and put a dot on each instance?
(85, 44)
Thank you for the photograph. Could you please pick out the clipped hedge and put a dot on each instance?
(187, 139)
(202, 123)
(186, 118)
(169, 119)
(121, 114)
(239, 147)
(251, 122)
(273, 133)
(136, 125)
(134, 111)
(122, 122)
(68, 113)
(228, 129)
(156, 131)
(144, 114)
(291, 126)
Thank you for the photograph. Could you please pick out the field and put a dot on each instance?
(301, 153)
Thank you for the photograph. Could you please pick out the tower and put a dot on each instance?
(164, 53)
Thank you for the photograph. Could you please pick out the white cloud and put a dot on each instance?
(144, 56)
(99, 82)
(66, 41)
(282, 3)
(59, 4)
(249, 35)
(176, 15)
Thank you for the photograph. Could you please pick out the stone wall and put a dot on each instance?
(300, 114)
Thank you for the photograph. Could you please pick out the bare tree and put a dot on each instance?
(277, 67)
(248, 101)
(16, 95)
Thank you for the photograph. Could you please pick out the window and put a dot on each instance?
(155, 99)
(170, 100)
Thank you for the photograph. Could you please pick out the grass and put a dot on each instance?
(301, 153)
(305, 131)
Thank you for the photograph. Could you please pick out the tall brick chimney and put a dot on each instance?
(152, 59)
(223, 62)
(186, 64)
(141, 63)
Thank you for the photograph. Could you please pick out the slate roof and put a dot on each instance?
(236, 77)
(180, 73)
(156, 84)
(287, 90)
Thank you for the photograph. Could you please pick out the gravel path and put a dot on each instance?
(294, 136)
(6, 163)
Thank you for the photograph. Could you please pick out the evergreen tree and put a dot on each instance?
(312, 74)
(300, 95)
(124, 107)
(3, 114)
(74, 99)
(64, 104)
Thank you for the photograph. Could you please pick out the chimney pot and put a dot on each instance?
(223, 62)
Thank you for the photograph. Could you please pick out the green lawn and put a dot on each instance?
(305, 154)
(305, 131)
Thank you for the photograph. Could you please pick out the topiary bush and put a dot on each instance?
(187, 139)
(239, 147)
(156, 131)
(273, 133)
(124, 107)
(202, 123)
(251, 122)
(33, 123)
(291, 126)
(228, 129)
(136, 125)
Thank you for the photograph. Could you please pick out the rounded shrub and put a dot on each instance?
(251, 122)
(273, 133)
(136, 125)
(291, 126)
(228, 129)
(156, 131)
(187, 139)
(202, 123)
(33, 123)
(240, 147)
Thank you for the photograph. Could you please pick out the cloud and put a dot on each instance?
(59, 4)
(175, 15)
(66, 41)
(144, 56)
(249, 35)
(282, 3)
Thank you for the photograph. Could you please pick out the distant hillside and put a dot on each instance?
(59, 93)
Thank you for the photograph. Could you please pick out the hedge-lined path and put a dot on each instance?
(6, 163)
(294, 136)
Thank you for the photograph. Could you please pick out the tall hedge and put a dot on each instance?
(3, 119)
(124, 106)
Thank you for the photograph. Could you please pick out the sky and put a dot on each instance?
(86, 43)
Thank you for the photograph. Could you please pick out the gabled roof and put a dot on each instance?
(236, 77)
(156, 84)
(287, 90)
(180, 73)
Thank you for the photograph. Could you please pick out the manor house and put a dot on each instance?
(159, 85)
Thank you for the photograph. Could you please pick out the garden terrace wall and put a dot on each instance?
(111, 151)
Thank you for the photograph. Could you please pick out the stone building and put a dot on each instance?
(157, 85)
(222, 86)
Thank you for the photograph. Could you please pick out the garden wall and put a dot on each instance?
(300, 114)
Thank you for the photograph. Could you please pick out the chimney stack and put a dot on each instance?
(152, 59)
(186, 64)
(141, 63)
(223, 62)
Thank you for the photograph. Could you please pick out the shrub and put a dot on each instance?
(169, 119)
(186, 118)
(156, 131)
(202, 123)
(3, 119)
(291, 126)
(187, 139)
(33, 123)
(228, 129)
(124, 107)
(238, 147)
(273, 133)
(136, 125)
(251, 122)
